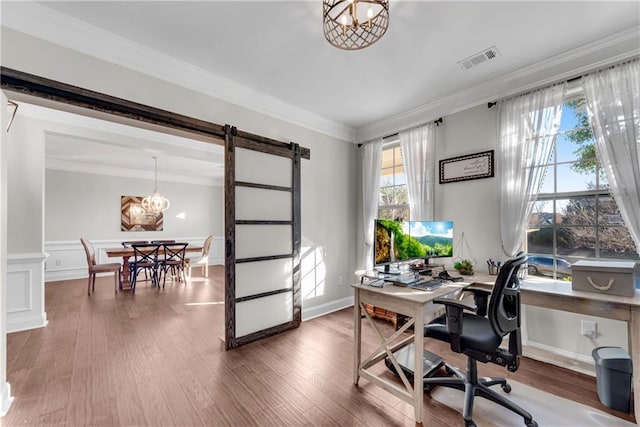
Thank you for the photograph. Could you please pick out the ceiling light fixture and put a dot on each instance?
(155, 203)
(354, 24)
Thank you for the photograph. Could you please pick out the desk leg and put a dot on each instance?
(357, 331)
(634, 349)
(126, 273)
(418, 367)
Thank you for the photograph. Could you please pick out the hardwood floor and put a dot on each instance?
(155, 358)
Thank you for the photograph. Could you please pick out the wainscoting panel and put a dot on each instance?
(19, 293)
(25, 291)
(67, 259)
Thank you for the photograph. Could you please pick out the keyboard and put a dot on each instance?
(404, 280)
(429, 285)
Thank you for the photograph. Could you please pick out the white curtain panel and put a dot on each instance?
(418, 156)
(526, 133)
(371, 164)
(613, 102)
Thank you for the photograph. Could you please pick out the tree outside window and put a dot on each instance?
(575, 216)
(393, 201)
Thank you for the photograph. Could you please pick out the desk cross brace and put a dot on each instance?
(386, 349)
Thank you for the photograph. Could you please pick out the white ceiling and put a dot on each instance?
(272, 56)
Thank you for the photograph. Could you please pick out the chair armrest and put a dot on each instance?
(480, 298)
(455, 309)
(450, 302)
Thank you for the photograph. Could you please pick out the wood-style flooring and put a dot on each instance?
(156, 359)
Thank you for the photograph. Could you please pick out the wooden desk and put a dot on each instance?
(410, 302)
(559, 296)
(126, 253)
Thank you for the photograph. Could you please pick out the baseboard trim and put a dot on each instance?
(330, 307)
(25, 323)
(6, 399)
(565, 359)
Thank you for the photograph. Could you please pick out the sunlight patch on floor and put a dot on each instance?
(205, 303)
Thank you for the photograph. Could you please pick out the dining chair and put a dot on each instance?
(95, 268)
(127, 244)
(203, 259)
(145, 257)
(174, 261)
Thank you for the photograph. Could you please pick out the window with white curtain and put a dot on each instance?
(393, 202)
(575, 216)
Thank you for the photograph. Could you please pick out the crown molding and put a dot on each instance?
(55, 27)
(98, 169)
(589, 57)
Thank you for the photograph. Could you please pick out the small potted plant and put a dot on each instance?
(464, 267)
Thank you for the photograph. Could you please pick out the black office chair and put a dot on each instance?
(478, 333)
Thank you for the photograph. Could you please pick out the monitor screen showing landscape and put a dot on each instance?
(434, 239)
(399, 241)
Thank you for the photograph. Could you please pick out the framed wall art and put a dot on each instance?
(134, 218)
(464, 168)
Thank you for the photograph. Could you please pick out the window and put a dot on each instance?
(393, 202)
(575, 216)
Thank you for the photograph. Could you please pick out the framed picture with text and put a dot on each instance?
(464, 168)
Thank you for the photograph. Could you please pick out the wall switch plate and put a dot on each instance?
(589, 328)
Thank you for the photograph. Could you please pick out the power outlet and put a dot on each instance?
(589, 328)
(58, 262)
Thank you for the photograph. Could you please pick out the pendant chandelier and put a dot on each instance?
(354, 24)
(155, 203)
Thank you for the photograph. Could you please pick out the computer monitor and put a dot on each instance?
(402, 241)
(390, 238)
(434, 239)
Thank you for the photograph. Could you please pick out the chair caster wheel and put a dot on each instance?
(532, 423)
(506, 388)
(469, 423)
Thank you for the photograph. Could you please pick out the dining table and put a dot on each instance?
(126, 253)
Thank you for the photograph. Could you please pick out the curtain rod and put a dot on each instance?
(436, 122)
(569, 80)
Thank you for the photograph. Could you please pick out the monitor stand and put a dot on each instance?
(390, 271)
(429, 264)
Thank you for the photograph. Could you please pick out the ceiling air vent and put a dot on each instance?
(479, 58)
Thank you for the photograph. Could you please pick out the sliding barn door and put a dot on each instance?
(262, 227)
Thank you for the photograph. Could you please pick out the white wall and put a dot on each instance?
(471, 205)
(328, 184)
(82, 204)
(25, 226)
(25, 188)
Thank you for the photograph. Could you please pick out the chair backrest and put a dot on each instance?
(206, 246)
(504, 304)
(175, 251)
(89, 251)
(145, 253)
(134, 242)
